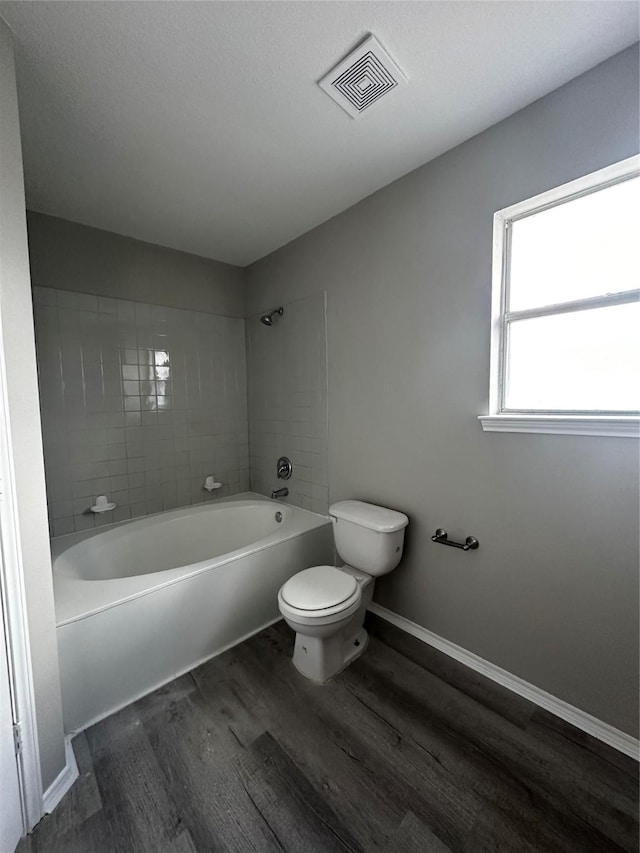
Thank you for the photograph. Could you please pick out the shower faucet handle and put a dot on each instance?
(284, 468)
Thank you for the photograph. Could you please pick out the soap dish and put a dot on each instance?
(103, 507)
(211, 486)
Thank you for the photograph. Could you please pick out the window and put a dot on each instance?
(565, 347)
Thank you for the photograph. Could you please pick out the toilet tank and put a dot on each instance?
(368, 537)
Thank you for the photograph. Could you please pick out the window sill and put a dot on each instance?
(627, 426)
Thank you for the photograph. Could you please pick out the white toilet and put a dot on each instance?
(326, 605)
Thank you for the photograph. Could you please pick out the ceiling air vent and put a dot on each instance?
(362, 79)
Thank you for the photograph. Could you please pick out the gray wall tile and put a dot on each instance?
(287, 393)
(139, 402)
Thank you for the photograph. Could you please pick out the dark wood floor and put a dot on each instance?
(405, 751)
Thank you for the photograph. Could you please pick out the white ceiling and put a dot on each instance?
(199, 125)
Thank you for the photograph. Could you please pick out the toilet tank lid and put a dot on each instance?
(373, 517)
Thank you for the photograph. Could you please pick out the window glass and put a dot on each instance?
(585, 247)
(584, 360)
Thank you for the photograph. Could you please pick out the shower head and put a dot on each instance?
(267, 319)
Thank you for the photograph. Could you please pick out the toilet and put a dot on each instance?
(326, 605)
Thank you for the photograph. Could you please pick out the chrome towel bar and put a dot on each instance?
(441, 537)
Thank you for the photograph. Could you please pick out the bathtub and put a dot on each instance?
(141, 602)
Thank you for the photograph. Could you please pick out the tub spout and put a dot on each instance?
(280, 493)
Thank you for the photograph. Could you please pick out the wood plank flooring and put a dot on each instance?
(405, 751)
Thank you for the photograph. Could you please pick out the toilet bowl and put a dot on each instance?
(326, 605)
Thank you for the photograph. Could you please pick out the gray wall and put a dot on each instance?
(139, 402)
(75, 257)
(552, 594)
(287, 369)
(24, 424)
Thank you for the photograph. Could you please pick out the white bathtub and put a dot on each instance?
(141, 602)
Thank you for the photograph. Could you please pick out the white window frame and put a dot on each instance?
(499, 418)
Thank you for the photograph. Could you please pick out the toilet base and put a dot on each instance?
(321, 658)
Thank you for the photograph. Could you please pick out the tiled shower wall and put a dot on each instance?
(287, 370)
(139, 402)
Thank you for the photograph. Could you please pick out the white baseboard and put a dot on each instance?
(64, 780)
(580, 719)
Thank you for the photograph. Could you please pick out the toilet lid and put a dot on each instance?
(318, 588)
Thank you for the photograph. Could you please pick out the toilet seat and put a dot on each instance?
(319, 596)
(318, 588)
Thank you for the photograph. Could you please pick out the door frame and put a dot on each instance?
(13, 606)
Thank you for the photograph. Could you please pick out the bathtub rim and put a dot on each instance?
(64, 584)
